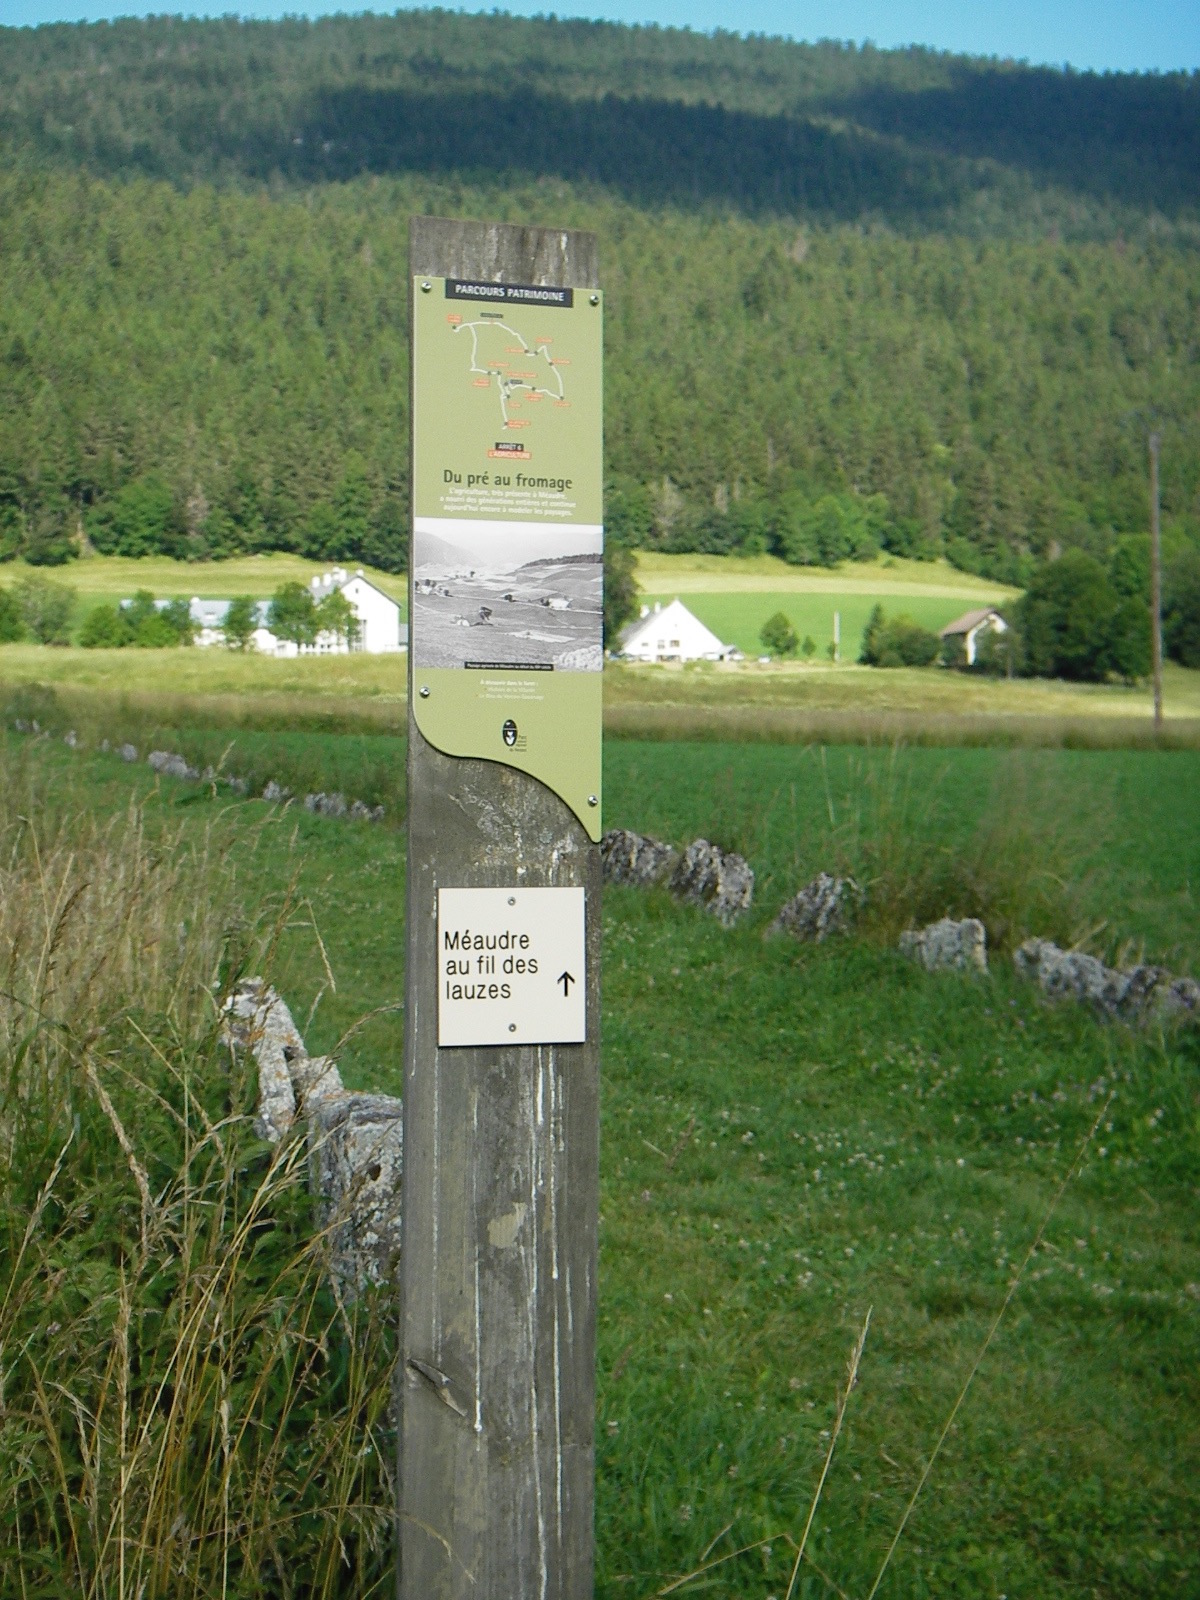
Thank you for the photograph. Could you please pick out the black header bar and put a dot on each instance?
(523, 294)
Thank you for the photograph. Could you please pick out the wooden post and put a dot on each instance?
(1155, 581)
(498, 1265)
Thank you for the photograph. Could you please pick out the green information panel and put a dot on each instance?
(506, 621)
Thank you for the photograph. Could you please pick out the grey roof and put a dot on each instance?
(968, 620)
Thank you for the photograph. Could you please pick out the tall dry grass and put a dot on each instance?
(1018, 867)
(185, 1407)
(776, 724)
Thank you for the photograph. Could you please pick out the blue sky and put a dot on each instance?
(1100, 34)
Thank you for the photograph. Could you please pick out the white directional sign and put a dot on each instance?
(511, 966)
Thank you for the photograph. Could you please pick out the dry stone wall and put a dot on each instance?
(355, 1141)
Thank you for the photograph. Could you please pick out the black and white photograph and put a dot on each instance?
(507, 594)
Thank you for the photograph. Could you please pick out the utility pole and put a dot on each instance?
(496, 1371)
(1155, 442)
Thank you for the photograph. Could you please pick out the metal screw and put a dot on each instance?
(512, 899)
(426, 286)
(424, 691)
(593, 799)
(512, 1027)
(594, 299)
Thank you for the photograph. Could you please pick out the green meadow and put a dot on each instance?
(793, 1138)
(101, 580)
(734, 596)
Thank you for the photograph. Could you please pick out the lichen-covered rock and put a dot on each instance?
(356, 1157)
(719, 880)
(170, 765)
(1071, 974)
(635, 858)
(948, 946)
(257, 1022)
(824, 906)
(239, 786)
(128, 752)
(1178, 998)
(355, 1141)
(276, 793)
(361, 812)
(71, 739)
(326, 805)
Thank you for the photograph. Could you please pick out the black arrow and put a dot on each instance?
(566, 979)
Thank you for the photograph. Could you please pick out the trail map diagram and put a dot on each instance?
(517, 367)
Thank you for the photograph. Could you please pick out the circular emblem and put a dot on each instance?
(509, 733)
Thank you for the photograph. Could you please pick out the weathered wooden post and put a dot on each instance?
(502, 1032)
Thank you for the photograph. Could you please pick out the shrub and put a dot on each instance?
(293, 615)
(155, 633)
(45, 608)
(337, 616)
(778, 635)
(620, 590)
(105, 628)
(897, 642)
(1068, 619)
(12, 626)
(1181, 609)
(240, 622)
(1130, 648)
(177, 614)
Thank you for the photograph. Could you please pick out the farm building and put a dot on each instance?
(380, 628)
(971, 627)
(378, 614)
(672, 633)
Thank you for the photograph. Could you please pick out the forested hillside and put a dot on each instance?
(855, 298)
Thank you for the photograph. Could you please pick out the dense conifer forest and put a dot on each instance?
(856, 299)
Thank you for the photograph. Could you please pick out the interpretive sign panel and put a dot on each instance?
(511, 966)
(506, 631)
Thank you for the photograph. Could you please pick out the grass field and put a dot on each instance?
(889, 576)
(791, 1137)
(792, 701)
(734, 597)
(96, 579)
(782, 701)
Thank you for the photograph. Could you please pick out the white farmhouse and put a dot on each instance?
(379, 627)
(971, 627)
(672, 633)
(378, 614)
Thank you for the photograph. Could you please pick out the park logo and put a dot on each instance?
(509, 733)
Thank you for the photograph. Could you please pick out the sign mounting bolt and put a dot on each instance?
(594, 299)
(424, 691)
(593, 799)
(426, 286)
